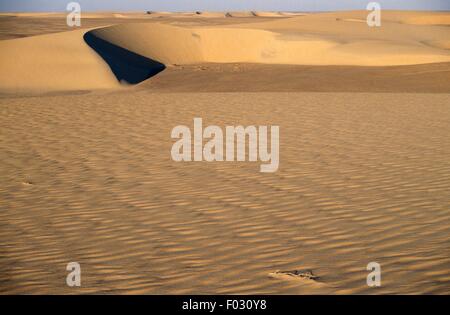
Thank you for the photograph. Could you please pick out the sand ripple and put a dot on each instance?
(88, 178)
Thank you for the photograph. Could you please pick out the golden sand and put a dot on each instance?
(364, 175)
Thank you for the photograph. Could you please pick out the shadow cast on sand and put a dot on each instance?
(126, 65)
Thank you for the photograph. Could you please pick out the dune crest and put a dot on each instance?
(221, 44)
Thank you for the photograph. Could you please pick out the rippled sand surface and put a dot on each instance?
(88, 177)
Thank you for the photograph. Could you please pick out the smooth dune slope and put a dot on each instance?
(60, 61)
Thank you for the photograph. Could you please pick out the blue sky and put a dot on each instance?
(220, 5)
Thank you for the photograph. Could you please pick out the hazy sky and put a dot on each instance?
(219, 5)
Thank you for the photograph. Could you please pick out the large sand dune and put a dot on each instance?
(63, 61)
(59, 61)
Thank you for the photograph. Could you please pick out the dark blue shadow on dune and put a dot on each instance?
(126, 65)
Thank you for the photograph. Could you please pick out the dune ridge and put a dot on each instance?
(257, 45)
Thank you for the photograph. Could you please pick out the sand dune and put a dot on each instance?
(268, 14)
(411, 18)
(258, 44)
(32, 14)
(441, 19)
(12, 26)
(60, 61)
(159, 12)
(64, 62)
(393, 16)
(286, 13)
(170, 14)
(240, 14)
(418, 18)
(212, 14)
(85, 15)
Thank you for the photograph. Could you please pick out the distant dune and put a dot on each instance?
(285, 13)
(240, 14)
(268, 14)
(429, 19)
(211, 14)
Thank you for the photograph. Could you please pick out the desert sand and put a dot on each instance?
(63, 62)
(87, 176)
